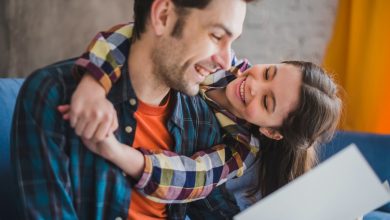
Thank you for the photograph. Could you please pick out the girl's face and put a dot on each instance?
(265, 94)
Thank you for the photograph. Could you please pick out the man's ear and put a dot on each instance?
(271, 133)
(160, 13)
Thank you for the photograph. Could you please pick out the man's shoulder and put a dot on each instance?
(60, 67)
(55, 76)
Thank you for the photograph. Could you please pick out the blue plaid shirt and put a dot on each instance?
(59, 178)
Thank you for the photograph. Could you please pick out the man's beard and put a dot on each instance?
(166, 68)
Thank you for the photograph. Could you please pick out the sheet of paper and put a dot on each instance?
(341, 188)
(386, 185)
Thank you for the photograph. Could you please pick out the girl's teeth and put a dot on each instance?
(201, 70)
(242, 91)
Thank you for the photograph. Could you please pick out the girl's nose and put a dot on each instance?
(257, 85)
(252, 89)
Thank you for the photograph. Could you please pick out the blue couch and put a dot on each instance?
(9, 89)
(375, 148)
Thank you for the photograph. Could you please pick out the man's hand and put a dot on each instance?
(91, 115)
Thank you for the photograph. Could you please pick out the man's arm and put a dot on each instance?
(37, 149)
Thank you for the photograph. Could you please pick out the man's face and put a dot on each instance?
(182, 61)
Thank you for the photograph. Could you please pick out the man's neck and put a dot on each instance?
(146, 85)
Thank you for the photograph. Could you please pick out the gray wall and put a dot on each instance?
(277, 30)
(37, 33)
(4, 38)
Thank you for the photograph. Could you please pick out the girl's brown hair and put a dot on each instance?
(313, 122)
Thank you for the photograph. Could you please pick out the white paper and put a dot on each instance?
(342, 187)
(386, 185)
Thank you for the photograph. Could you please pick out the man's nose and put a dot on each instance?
(223, 58)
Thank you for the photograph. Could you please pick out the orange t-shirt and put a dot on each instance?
(152, 134)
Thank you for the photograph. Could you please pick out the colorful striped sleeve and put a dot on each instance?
(105, 55)
(172, 178)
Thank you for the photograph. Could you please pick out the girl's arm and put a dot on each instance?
(167, 177)
(164, 176)
(98, 68)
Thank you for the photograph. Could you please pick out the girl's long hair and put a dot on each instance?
(313, 122)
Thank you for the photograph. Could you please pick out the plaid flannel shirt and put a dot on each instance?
(169, 177)
(59, 178)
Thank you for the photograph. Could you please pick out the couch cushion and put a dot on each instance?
(377, 215)
(9, 89)
(374, 147)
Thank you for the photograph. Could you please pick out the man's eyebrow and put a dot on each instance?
(226, 29)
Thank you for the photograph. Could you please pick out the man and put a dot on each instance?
(174, 46)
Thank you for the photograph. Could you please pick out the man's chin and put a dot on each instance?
(188, 89)
(191, 91)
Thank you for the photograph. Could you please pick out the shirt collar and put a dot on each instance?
(177, 111)
(123, 91)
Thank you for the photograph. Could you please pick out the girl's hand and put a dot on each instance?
(108, 148)
(91, 129)
(91, 115)
(130, 160)
(65, 111)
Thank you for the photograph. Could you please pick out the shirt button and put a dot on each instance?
(124, 174)
(128, 129)
(132, 101)
(118, 218)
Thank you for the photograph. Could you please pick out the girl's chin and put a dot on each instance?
(238, 115)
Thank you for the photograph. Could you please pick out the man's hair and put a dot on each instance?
(142, 11)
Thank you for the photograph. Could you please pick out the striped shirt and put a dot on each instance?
(169, 177)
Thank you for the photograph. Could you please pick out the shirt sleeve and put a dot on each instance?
(39, 161)
(172, 178)
(105, 55)
(222, 77)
